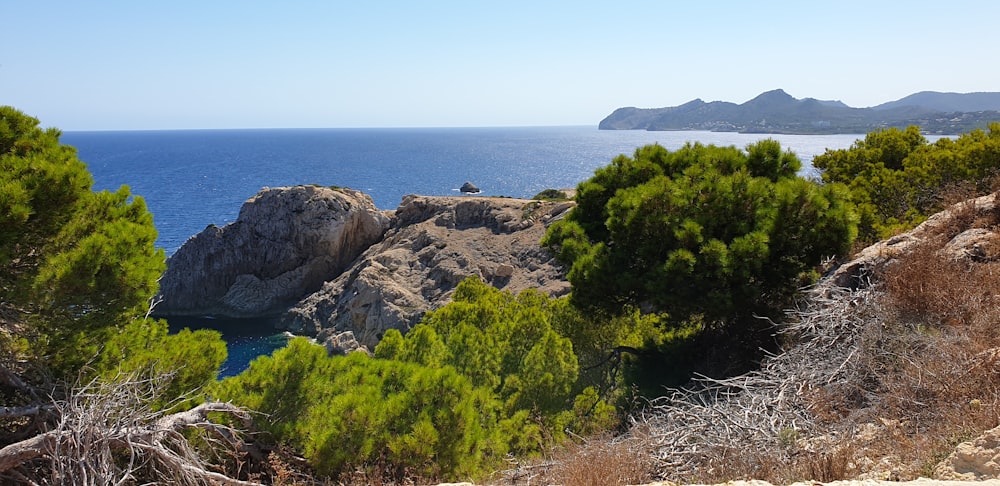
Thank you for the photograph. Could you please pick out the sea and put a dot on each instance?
(191, 179)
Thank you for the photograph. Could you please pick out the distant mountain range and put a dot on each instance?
(778, 112)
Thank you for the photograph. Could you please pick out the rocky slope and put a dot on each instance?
(969, 241)
(433, 244)
(330, 264)
(285, 243)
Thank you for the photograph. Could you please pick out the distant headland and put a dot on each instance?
(778, 112)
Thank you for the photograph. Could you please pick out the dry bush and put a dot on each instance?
(926, 284)
(382, 475)
(785, 465)
(753, 426)
(828, 466)
(603, 461)
(107, 432)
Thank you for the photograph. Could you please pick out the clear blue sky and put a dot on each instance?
(242, 64)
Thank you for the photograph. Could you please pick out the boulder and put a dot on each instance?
(975, 460)
(433, 244)
(469, 188)
(976, 244)
(340, 343)
(284, 245)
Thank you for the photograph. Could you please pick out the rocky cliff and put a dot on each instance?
(285, 244)
(329, 263)
(433, 244)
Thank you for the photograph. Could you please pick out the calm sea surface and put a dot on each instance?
(193, 178)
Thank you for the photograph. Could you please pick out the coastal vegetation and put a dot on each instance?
(551, 195)
(897, 178)
(681, 262)
(487, 376)
(77, 271)
(714, 237)
(79, 268)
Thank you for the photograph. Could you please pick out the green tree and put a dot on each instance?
(705, 240)
(873, 170)
(78, 268)
(702, 232)
(897, 179)
(504, 342)
(186, 361)
(345, 412)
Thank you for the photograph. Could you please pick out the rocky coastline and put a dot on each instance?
(325, 262)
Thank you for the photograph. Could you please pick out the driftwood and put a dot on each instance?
(768, 409)
(107, 433)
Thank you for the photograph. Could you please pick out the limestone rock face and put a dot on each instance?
(285, 243)
(974, 460)
(339, 343)
(969, 242)
(434, 243)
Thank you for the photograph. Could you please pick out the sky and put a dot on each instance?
(130, 65)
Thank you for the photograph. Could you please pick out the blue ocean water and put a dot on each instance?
(193, 178)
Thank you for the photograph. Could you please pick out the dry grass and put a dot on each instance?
(603, 462)
(597, 461)
(940, 373)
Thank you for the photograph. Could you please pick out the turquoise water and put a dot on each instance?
(246, 339)
(193, 178)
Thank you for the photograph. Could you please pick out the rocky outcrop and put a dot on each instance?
(327, 263)
(974, 460)
(433, 244)
(284, 245)
(959, 224)
(339, 343)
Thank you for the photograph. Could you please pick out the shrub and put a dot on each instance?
(551, 195)
(488, 374)
(353, 411)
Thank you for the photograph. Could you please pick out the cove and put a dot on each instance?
(246, 339)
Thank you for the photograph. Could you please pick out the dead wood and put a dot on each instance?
(108, 433)
(768, 409)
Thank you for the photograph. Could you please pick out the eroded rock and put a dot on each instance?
(974, 460)
(433, 244)
(285, 243)
(340, 343)
(960, 220)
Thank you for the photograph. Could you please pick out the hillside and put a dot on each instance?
(778, 112)
(889, 374)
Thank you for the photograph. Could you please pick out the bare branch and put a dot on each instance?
(108, 433)
(765, 409)
(26, 450)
